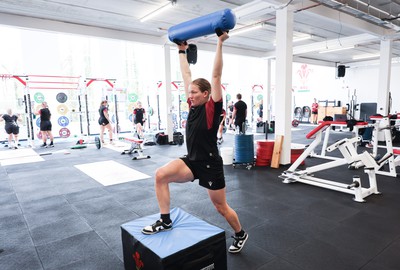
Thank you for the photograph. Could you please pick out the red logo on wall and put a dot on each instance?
(303, 72)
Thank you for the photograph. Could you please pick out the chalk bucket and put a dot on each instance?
(227, 155)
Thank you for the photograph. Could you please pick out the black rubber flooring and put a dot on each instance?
(53, 216)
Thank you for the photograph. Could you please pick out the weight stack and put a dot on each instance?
(264, 152)
(244, 148)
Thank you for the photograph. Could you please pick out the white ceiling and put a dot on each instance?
(330, 22)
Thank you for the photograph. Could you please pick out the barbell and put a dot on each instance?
(80, 144)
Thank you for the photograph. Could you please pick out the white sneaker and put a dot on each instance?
(238, 243)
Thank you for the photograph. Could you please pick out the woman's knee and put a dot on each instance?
(161, 175)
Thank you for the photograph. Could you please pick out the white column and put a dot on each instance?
(267, 95)
(283, 89)
(168, 94)
(384, 76)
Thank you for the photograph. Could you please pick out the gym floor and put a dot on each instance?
(55, 215)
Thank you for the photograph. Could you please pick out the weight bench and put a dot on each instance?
(136, 147)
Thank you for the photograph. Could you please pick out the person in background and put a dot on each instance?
(222, 118)
(240, 113)
(11, 127)
(139, 117)
(231, 106)
(104, 121)
(45, 125)
(260, 112)
(203, 161)
(314, 111)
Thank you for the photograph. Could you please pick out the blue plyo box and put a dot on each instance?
(191, 244)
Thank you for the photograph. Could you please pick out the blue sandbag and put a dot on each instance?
(224, 20)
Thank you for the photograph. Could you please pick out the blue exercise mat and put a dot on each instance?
(187, 231)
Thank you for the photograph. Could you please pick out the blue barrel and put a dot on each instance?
(244, 148)
(202, 26)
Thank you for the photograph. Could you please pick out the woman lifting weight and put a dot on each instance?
(11, 127)
(139, 117)
(45, 125)
(104, 121)
(203, 161)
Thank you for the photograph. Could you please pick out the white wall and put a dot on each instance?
(365, 80)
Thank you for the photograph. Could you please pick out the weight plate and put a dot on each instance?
(63, 121)
(259, 97)
(61, 97)
(150, 111)
(132, 97)
(38, 97)
(38, 122)
(131, 117)
(97, 142)
(295, 123)
(39, 135)
(183, 123)
(131, 107)
(64, 133)
(228, 97)
(184, 115)
(62, 109)
(113, 119)
(184, 106)
(183, 98)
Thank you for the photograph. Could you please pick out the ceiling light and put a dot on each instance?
(246, 29)
(166, 6)
(255, 9)
(336, 49)
(301, 38)
(297, 39)
(365, 56)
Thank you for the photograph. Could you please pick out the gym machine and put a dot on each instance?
(392, 154)
(329, 128)
(350, 156)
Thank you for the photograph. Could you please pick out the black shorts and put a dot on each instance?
(314, 113)
(210, 173)
(103, 122)
(45, 126)
(139, 122)
(12, 129)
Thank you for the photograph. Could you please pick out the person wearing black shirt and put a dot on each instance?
(203, 161)
(230, 113)
(11, 127)
(104, 121)
(139, 117)
(240, 113)
(45, 125)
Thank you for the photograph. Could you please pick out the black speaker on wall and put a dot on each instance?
(341, 71)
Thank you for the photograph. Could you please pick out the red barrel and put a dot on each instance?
(296, 151)
(265, 149)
